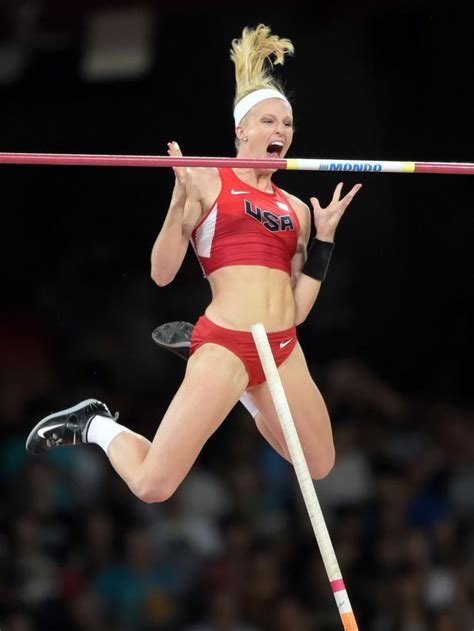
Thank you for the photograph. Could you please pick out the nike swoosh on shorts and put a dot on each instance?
(285, 343)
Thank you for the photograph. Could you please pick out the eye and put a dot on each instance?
(288, 124)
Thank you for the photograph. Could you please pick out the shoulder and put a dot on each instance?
(201, 180)
(301, 209)
(203, 174)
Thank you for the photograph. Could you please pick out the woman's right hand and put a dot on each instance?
(179, 172)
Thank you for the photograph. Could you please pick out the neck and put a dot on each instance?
(256, 178)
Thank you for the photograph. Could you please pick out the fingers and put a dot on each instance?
(315, 203)
(348, 198)
(350, 195)
(336, 198)
(337, 192)
(174, 149)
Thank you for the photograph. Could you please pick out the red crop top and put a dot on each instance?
(246, 226)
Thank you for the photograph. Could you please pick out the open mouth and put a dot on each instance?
(274, 149)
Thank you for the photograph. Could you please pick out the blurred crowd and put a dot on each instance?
(233, 550)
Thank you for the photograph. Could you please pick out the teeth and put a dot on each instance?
(278, 143)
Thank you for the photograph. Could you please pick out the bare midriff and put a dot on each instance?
(243, 295)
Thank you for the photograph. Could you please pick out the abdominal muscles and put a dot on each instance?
(243, 295)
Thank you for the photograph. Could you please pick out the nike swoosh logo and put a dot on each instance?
(283, 344)
(48, 429)
(234, 192)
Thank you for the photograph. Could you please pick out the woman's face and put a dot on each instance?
(268, 128)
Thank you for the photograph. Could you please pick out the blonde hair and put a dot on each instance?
(250, 54)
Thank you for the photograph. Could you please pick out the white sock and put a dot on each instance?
(103, 430)
(247, 403)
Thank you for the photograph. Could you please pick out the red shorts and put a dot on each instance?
(241, 343)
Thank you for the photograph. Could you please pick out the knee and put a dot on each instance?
(152, 490)
(324, 465)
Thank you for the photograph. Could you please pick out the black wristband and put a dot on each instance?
(319, 256)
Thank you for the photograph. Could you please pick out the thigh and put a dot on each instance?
(214, 381)
(308, 410)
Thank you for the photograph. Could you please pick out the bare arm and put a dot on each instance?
(305, 291)
(183, 214)
(306, 288)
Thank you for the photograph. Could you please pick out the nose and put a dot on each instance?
(281, 128)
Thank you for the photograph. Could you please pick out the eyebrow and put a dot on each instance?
(288, 117)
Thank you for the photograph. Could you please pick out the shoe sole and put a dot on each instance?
(165, 335)
(70, 410)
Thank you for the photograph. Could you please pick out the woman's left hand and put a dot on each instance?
(327, 219)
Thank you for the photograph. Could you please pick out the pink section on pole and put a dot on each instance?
(337, 585)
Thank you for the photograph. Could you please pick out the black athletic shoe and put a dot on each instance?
(174, 336)
(67, 427)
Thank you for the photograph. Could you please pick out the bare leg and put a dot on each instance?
(309, 414)
(154, 470)
(270, 437)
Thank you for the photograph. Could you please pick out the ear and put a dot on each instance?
(240, 133)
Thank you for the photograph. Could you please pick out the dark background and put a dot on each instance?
(387, 83)
(377, 81)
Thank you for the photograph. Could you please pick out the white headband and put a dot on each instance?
(246, 104)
